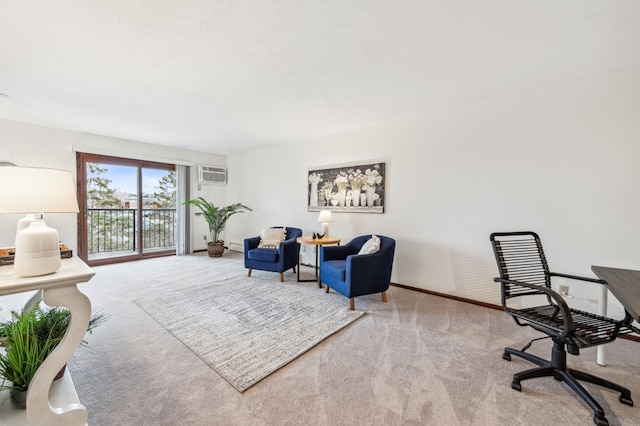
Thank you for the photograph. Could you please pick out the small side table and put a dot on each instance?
(315, 242)
(52, 403)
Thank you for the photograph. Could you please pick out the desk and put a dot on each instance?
(315, 242)
(624, 284)
(52, 403)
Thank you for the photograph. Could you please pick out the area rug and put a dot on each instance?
(247, 328)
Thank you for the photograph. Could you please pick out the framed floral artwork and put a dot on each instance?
(357, 189)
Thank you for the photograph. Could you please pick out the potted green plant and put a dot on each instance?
(216, 218)
(24, 353)
(29, 337)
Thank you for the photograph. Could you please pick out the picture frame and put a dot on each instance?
(357, 188)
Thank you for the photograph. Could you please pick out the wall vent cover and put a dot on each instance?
(212, 174)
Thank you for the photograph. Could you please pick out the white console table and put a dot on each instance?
(52, 403)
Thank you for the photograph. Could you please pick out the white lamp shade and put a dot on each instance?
(325, 216)
(36, 190)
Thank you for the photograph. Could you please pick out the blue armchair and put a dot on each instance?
(352, 274)
(279, 260)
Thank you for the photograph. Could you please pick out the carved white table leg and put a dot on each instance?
(35, 299)
(39, 410)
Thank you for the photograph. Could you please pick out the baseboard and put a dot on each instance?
(235, 246)
(449, 296)
(203, 250)
(484, 304)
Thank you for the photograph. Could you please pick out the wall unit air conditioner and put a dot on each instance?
(212, 174)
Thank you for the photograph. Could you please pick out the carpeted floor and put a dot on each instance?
(247, 328)
(416, 360)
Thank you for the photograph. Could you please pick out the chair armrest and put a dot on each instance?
(376, 267)
(569, 326)
(251, 243)
(335, 252)
(371, 261)
(288, 246)
(628, 319)
(576, 277)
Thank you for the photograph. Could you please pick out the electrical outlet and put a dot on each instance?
(564, 290)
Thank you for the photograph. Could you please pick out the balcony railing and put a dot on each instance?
(115, 231)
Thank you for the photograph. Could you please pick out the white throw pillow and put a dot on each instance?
(371, 246)
(272, 237)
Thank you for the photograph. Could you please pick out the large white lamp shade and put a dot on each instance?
(325, 217)
(36, 191)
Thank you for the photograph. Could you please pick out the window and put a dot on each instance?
(129, 206)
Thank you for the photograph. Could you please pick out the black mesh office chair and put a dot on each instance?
(525, 275)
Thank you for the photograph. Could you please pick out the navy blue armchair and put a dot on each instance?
(352, 274)
(279, 260)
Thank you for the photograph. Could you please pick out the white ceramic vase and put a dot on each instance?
(313, 202)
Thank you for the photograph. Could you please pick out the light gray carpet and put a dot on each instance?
(247, 328)
(416, 360)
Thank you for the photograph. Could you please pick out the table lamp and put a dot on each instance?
(325, 218)
(36, 191)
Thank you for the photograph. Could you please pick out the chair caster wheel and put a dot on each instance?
(506, 356)
(516, 385)
(626, 401)
(600, 421)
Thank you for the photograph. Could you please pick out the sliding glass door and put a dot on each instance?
(158, 224)
(129, 209)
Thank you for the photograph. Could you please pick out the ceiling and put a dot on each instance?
(228, 76)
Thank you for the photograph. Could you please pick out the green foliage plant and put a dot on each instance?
(52, 323)
(216, 217)
(165, 197)
(24, 352)
(29, 337)
(99, 191)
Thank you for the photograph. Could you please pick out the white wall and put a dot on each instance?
(29, 145)
(562, 161)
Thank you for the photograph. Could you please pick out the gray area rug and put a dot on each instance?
(247, 328)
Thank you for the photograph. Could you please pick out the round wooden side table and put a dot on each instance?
(315, 242)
